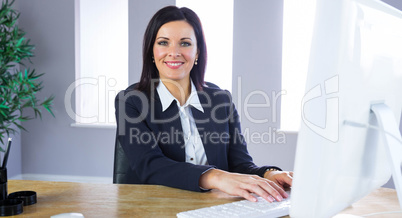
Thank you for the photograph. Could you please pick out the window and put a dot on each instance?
(101, 60)
(102, 54)
(217, 23)
(297, 32)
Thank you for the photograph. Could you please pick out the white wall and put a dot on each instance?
(52, 146)
(257, 61)
(395, 3)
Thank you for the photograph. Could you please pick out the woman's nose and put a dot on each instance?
(174, 51)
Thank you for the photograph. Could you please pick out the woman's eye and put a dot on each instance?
(185, 44)
(162, 43)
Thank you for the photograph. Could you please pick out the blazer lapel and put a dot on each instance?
(170, 130)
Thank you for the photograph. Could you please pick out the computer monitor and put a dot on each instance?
(349, 133)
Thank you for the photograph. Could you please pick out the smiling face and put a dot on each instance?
(175, 51)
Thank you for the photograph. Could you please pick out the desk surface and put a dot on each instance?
(110, 200)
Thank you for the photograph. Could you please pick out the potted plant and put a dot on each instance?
(18, 85)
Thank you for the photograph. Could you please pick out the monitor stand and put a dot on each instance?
(393, 141)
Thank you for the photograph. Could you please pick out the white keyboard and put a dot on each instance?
(244, 208)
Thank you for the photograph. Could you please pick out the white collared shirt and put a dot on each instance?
(194, 148)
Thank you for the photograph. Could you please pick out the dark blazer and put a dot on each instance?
(154, 144)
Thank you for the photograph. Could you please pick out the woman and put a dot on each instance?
(177, 131)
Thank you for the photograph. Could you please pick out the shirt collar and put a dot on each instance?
(166, 97)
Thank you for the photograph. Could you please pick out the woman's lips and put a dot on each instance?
(173, 64)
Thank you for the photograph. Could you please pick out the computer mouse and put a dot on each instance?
(68, 215)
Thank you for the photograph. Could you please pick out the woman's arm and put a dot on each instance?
(242, 185)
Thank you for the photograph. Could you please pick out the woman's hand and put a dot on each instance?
(242, 185)
(282, 178)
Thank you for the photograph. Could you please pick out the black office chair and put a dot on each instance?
(121, 165)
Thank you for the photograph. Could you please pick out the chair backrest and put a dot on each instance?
(121, 165)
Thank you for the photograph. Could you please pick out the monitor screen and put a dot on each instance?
(355, 62)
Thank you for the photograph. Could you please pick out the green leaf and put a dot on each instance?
(20, 41)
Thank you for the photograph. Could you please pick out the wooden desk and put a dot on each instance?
(110, 200)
